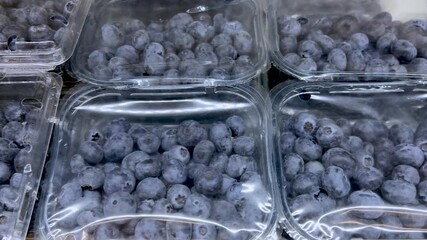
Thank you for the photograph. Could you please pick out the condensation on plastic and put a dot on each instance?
(46, 55)
(44, 91)
(392, 103)
(363, 9)
(93, 106)
(248, 12)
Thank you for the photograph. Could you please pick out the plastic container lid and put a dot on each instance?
(166, 42)
(159, 112)
(351, 159)
(39, 34)
(27, 105)
(349, 40)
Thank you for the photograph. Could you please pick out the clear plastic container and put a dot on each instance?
(30, 102)
(338, 39)
(348, 174)
(171, 43)
(39, 34)
(92, 107)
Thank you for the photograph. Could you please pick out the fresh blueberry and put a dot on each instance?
(111, 35)
(222, 210)
(308, 149)
(232, 28)
(305, 182)
(91, 177)
(197, 205)
(290, 27)
(177, 152)
(70, 193)
(204, 231)
(120, 203)
(150, 229)
(346, 25)
(221, 39)
(418, 65)
(163, 206)
(5, 172)
(243, 42)
(119, 180)
(287, 142)
(355, 61)
(95, 135)
(129, 53)
(244, 145)
(15, 131)
(403, 50)
(398, 192)
(8, 150)
(365, 199)
(408, 154)
(178, 231)
(174, 171)
(148, 142)
(338, 59)
(335, 182)
(406, 173)
(118, 146)
(208, 182)
(107, 231)
(177, 195)
(96, 58)
(237, 125)
(190, 133)
(411, 220)
(236, 165)
(115, 126)
(87, 217)
(314, 167)
(151, 188)
(303, 124)
(329, 135)
(16, 179)
(292, 165)
(369, 178)
(305, 207)
(203, 152)
(21, 160)
(401, 133)
(369, 130)
(91, 152)
(309, 49)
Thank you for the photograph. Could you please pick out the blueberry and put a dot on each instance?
(406, 173)
(174, 171)
(119, 180)
(232, 28)
(190, 133)
(290, 27)
(179, 21)
(208, 181)
(355, 61)
(204, 231)
(91, 177)
(9, 198)
(197, 205)
(96, 58)
(145, 206)
(136, 130)
(398, 192)
(87, 217)
(329, 135)
(223, 210)
(418, 65)
(200, 31)
(328, 204)
(346, 25)
(70, 193)
(227, 183)
(242, 42)
(369, 178)
(385, 41)
(107, 231)
(422, 191)
(129, 53)
(163, 206)
(363, 158)
(154, 64)
(8, 150)
(178, 231)
(112, 36)
(151, 188)
(335, 182)
(140, 39)
(309, 49)
(292, 165)
(236, 165)
(115, 126)
(352, 144)
(203, 152)
(369, 130)
(383, 144)
(221, 39)
(305, 207)
(307, 148)
(244, 145)
(177, 195)
(150, 229)
(338, 59)
(16, 179)
(118, 146)
(408, 154)
(102, 72)
(292, 59)
(365, 199)
(91, 152)
(411, 220)
(120, 203)
(314, 167)
(15, 131)
(287, 142)
(177, 152)
(403, 50)
(305, 182)
(303, 124)
(148, 143)
(5, 172)
(91, 200)
(360, 40)
(21, 160)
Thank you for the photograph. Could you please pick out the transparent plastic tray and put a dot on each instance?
(393, 43)
(35, 98)
(39, 34)
(382, 198)
(94, 107)
(124, 49)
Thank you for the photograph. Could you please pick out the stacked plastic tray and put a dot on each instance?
(349, 133)
(35, 37)
(165, 138)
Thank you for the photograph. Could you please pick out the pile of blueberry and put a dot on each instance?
(186, 45)
(33, 21)
(19, 127)
(333, 164)
(205, 172)
(354, 43)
